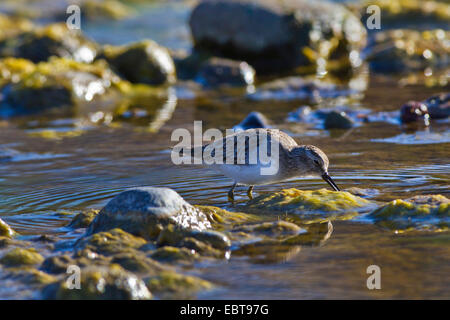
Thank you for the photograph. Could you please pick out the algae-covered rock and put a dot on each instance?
(146, 211)
(56, 83)
(322, 202)
(273, 229)
(83, 219)
(12, 26)
(100, 283)
(142, 62)
(57, 264)
(172, 285)
(105, 9)
(110, 242)
(276, 35)
(51, 40)
(408, 50)
(31, 276)
(6, 230)
(138, 262)
(174, 255)
(419, 212)
(21, 257)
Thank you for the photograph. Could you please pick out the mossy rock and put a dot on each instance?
(273, 229)
(417, 213)
(83, 219)
(174, 255)
(100, 283)
(172, 285)
(31, 276)
(322, 202)
(142, 62)
(21, 257)
(12, 26)
(220, 217)
(52, 40)
(6, 230)
(110, 242)
(137, 262)
(107, 9)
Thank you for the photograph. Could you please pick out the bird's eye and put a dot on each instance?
(317, 162)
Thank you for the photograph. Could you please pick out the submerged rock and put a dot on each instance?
(438, 106)
(322, 202)
(217, 72)
(21, 257)
(6, 230)
(172, 285)
(298, 88)
(142, 62)
(408, 50)
(273, 35)
(419, 212)
(146, 211)
(52, 40)
(100, 283)
(414, 111)
(338, 120)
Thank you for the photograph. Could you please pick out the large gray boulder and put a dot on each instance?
(274, 35)
(146, 211)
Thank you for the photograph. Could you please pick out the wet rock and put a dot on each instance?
(21, 257)
(273, 35)
(6, 230)
(172, 285)
(138, 263)
(57, 83)
(57, 264)
(146, 211)
(142, 62)
(83, 219)
(419, 212)
(52, 40)
(174, 236)
(202, 248)
(414, 111)
(338, 120)
(217, 72)
(30, 276)
(253, 120)
(174, 255)
(13, 26)
(275, 229)
(407, 50)
(307, 203)
(105, 9)
(297, 88)
(110, 242)
(317, 234)
(438, 106)
(100, 283)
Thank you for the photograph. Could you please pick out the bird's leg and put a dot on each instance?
(231, 192)
(249, 192)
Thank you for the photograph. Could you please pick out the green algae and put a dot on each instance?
(111, 242)
(172, 285)
(420, 212)
(108, 9)
(314, 201)
(12, 26)
(31, 276)
(83, 219)
(100, 283)
(138, 263)
(21, 257)
(174, 255)
(6, 230)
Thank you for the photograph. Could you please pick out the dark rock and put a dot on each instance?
(225, 72)
(83, 219)
(273, 35)
(253, 120)
(414, 111)
(438, 106)
(338, 120)
(142, 62)
(146, 211)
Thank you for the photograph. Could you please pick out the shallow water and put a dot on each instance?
(41, 177)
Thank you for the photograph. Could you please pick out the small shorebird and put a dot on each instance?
(293, 160)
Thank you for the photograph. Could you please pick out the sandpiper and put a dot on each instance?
(293, 160)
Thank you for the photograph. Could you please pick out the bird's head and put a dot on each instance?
(314, 161)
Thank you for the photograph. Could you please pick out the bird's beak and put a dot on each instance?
(330, 181)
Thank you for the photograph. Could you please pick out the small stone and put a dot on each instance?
(414, 111)
(224, 72)
(253, 120)
(338, 120)
(6, 230)
(21, 257)
(438, 106)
